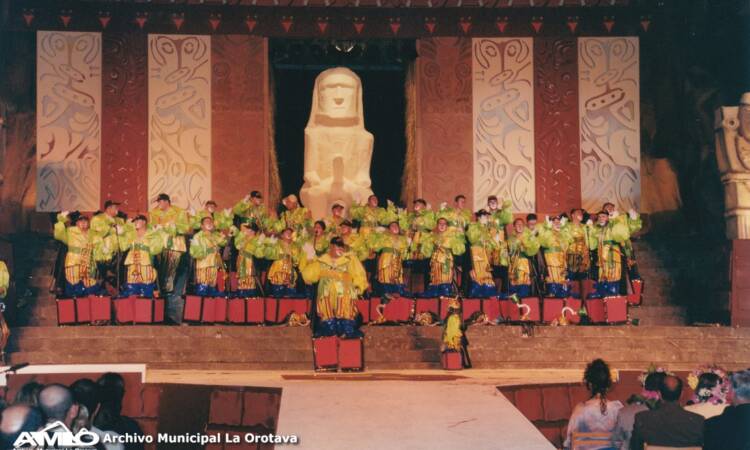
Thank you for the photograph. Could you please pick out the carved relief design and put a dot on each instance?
(124, 127)
(445, 75)
(609, 108)
(179, 98)
(68, 120)
(733, 157)
(557, 157)
(503, 98)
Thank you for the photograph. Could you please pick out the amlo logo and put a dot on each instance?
(56, 435)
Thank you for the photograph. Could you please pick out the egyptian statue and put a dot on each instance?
(733, 157)
(338, 149)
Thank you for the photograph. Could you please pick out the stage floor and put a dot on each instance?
(414, 409)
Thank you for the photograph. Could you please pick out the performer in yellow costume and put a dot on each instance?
(459, 217)
(355, 242)
(370, 216)
(85, 249)
(482, 245)
(106, 223)
(249, 247)
(522, 246)
(252, 210)
(141, 245)
(336, 218)
(555, 241)
(392, 248)
(500, 216)
(440, 247)
(205, 248)
(296, 217)
(577, 254)
(420, 221)
(175, 223)
(634, 223)
(223, 219)
(341, 280)
(608, 239)
(287, 257)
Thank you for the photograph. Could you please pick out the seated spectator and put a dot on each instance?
(668, 424)
(711, 387)
(57, 403)
(15, 420)
(731, 429)
(110, 418)
(86, 394)
(28, 394)
(644, 401)
(596, 414)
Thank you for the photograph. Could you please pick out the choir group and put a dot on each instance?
(367, 249)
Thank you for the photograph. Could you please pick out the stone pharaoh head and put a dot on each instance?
(337, 99)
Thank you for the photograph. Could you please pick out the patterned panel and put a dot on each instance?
(608, 82)
(444, 118)
(239, 65)
(124, 125)
(503, 97)
(557, 155)
(69, 107)
(179, 118)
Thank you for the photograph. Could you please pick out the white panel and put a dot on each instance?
(503, 108)
(179, 118)
(609, 108)
(68, 121)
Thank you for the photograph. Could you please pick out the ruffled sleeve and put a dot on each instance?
(61, 229)
(457, 244)
(127, 237)
(530, 244)
(427, 245)
(358, 274)
(155, 241)
(311, 272)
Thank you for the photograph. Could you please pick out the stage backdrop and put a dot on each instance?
(549, 123)
(181, 114)
(556, 122)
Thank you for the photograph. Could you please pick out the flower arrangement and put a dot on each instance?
(716, 395)
(652, 369)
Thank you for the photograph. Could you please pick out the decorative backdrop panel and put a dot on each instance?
(444, 118)
(239, 67)
(179, 118)
(608, 81)
(69, 88)
(503, 100)
(557, 156)
(124, 124)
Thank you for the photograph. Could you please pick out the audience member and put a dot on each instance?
(731, 429)
(28, 394)
(711, 388)
(668, 424)
(57, 403)
(646, 400)
(15, 420)
(597, 413)
(110, 418)
(86, 394)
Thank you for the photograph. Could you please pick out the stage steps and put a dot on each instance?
(401, 347)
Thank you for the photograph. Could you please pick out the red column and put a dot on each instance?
(556, 138)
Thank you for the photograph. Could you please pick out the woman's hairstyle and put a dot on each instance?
(598, 380)
(28, 394)
(321, 223)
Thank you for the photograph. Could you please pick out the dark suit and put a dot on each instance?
(668, 425)
(730, 430)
